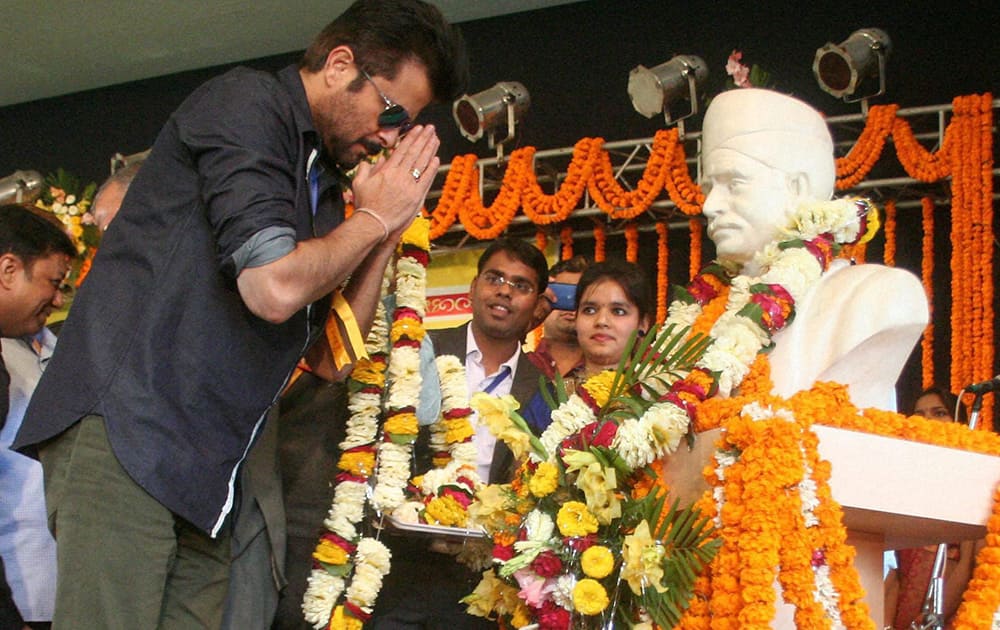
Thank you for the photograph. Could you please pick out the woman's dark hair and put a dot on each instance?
(384, 33)
(629, 277)
(948, 399)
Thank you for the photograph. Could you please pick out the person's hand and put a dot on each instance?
(394, 188)
(542, 308)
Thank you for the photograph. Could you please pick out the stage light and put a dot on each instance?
(654, 90)
(486, 112)
(841, 68)
(21, 187)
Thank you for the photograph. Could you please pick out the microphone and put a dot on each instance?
(991, 385)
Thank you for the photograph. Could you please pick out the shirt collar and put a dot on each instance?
(473, 353)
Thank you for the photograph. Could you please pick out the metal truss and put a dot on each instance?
(887, 180)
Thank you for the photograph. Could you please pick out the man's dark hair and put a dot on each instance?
(521, 251)
(30, 236)
(576, 264)
(384, 33)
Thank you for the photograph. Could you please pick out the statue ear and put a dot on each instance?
(799, 185)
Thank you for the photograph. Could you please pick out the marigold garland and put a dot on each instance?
(614, 200)
(545, 209)
(696, 232)
(600, 242)
(889, 253)
(855, 166)
(632, 242)
(566, 239)
(927, 279)
(662, 262)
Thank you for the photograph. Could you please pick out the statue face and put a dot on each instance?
(747, 203)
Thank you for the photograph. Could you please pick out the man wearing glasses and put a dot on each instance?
(215, 277)
(506, 294)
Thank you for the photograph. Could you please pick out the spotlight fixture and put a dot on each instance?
(841, 68)
(486, 112)
(21, 187)
(654, 90)
(119, 161)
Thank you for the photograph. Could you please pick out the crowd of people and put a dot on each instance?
(182, 477)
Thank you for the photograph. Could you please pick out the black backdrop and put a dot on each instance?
(575, 60)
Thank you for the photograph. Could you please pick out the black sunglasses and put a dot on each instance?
(394, 116)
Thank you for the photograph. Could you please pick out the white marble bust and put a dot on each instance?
(764, 153)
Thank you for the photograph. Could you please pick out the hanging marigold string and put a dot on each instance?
(853, 167)
(889, 255)
(487, 223)
(566, 238)
(927, 279)
(968, 145)
(600, 242)
(545, 209)
(682, 189)
(454, 193)
(619, 203)
(917, 161)
(662, 280)
(541, 240)
(696, 230)
(632, 242)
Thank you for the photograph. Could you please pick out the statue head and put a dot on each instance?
(763, 154)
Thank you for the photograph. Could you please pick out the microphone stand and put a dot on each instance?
(932, 612)
(977, 406)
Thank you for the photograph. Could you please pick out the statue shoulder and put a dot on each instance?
(886, 295)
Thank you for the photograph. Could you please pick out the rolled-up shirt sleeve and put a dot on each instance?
(264, 247)
(245, 151)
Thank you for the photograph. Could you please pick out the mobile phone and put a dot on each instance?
(565, 296)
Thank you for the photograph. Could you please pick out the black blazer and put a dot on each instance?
(524, 387)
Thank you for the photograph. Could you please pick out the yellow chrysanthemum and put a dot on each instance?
(597, 562)
(599, 386)
(402, 424)
(330, 553)
(589, 597)
(418, 234)
(457, 430)
(574, 519)
(360, 463)
(446, 511)
(369, 373)
(521, 616)
(343, 621)
(545, 480)
(406, 327)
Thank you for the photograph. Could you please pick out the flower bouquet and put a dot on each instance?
(69, 199)
(583, 536)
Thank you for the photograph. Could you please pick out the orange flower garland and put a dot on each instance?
(982, 596)
(889, 255)
(662, 281)
(566, 238)
(918, 162)
(541, 240)
(487, 223)
(600, 242)
(696, 230)
(619, 203)
(682, 189)
(545, 209)
(453, 194)
(927, 279)
(632, 242)
(853, 167)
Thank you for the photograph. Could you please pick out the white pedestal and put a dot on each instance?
(895, 494)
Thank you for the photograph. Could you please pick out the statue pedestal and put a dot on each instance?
(894, 493)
